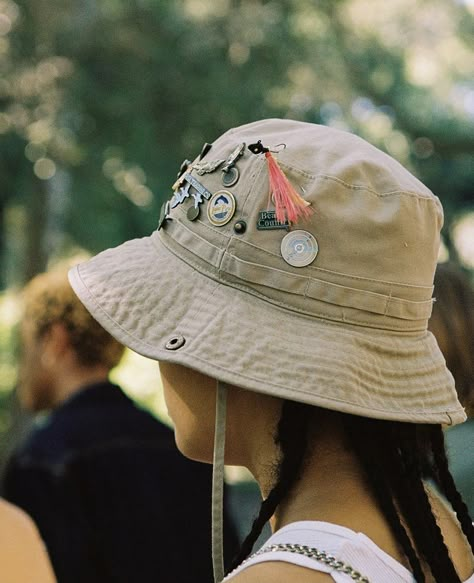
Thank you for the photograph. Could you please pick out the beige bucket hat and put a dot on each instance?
(331, 310)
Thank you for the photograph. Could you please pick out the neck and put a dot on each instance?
(77, 379)
(332, 486)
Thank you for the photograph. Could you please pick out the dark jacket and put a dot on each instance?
(113, 498)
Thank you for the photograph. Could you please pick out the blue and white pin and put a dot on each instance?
(221, 208)
(299, 248)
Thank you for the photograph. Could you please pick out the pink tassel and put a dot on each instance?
(289, 205)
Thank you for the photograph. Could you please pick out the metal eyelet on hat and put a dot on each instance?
(175, 342)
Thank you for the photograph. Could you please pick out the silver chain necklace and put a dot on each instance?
(312, 553)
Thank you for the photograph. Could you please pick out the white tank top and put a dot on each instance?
(352, 548)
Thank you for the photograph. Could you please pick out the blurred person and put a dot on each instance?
(111, 495)
(286, 294)
(23, 556)
(452, 322)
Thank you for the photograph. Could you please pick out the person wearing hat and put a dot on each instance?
(286, 295)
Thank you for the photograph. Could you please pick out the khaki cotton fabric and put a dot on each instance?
(348, 332)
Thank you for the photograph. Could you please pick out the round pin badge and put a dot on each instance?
(193, 213)
(230, 177)
(221, 208)
(299, 248)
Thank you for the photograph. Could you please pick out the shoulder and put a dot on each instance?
(455, 540)
(22, 552)
(280, 572)
(14, 521)
(43, 444)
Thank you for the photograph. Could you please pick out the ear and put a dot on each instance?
(56, 342)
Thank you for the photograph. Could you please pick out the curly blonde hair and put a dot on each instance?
(48, 299)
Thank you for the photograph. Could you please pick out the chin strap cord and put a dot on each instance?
(218, 483)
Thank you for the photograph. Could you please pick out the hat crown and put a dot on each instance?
(376, 227)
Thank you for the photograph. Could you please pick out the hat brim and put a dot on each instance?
(144, 295)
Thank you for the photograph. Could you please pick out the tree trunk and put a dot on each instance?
(37, 220)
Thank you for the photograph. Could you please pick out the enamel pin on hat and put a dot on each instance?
(221, 208)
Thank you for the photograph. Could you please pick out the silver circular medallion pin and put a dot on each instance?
(299, 248)
(221, 208)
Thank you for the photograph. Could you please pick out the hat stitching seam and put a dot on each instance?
(296, 170)
(316, 314)
(389, 301)
(355, 277)
(219, 251)
(221, 277)
(313, 177)
(424, 389)
(371, 190)
(389, 297)
(210, 229)
(329, 398)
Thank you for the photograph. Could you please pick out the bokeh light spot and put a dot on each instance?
(238, 53)
(34, 151)
(463, 235)
(423, 148)
(397, 145)
(5, 24)
(44, 168)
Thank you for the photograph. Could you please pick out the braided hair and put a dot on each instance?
(396, 458)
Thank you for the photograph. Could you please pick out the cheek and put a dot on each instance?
(191, 407)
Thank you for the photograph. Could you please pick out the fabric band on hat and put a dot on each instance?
(218, 483)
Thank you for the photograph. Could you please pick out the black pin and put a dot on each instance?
(258, 148)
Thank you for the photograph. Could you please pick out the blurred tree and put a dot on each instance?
(104, 98)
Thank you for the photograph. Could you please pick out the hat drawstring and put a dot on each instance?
(218, 483)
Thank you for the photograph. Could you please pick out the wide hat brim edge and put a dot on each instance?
(109, 286)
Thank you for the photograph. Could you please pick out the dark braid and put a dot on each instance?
(292, 438)
(367, 450)
(396, 457)
(447, 484)
(416, 509)
(400, 452)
